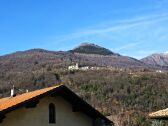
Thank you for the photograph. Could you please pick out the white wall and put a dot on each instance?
(38, 116)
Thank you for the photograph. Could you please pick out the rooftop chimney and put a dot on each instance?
(27, 90)
(13, 92)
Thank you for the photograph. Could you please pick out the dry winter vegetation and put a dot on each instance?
(126, 95)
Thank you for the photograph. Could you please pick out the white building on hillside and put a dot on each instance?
(84, 68)
(74, 67)
(159, 71)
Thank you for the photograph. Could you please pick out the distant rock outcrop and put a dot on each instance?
(160, 59)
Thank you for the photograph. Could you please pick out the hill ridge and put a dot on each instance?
(91, 48)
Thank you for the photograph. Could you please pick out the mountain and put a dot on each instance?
(34, 66)
(159, 59)
(85, 54)
(92, 54)
(90, 48)
(127, 96)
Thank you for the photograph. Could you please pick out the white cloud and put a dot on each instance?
(146, 31)
(128, 46)
(119, 26)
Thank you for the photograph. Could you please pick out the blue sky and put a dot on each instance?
(135, 28)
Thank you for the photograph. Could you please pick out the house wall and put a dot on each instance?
(39, 116)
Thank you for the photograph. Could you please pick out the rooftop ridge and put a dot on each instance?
(11, 101)
(160, 113)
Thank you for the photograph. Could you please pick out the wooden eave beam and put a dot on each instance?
(32, 104)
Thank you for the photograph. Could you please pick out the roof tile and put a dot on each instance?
(159, 114)
(8, 102)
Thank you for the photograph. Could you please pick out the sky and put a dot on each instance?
(135, 28)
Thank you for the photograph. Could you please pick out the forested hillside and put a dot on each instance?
(127, 96)
(124, 93)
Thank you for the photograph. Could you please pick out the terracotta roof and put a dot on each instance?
(8, 102)
(159, 114)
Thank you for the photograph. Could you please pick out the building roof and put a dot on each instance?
(9, 104)
(161, 114)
